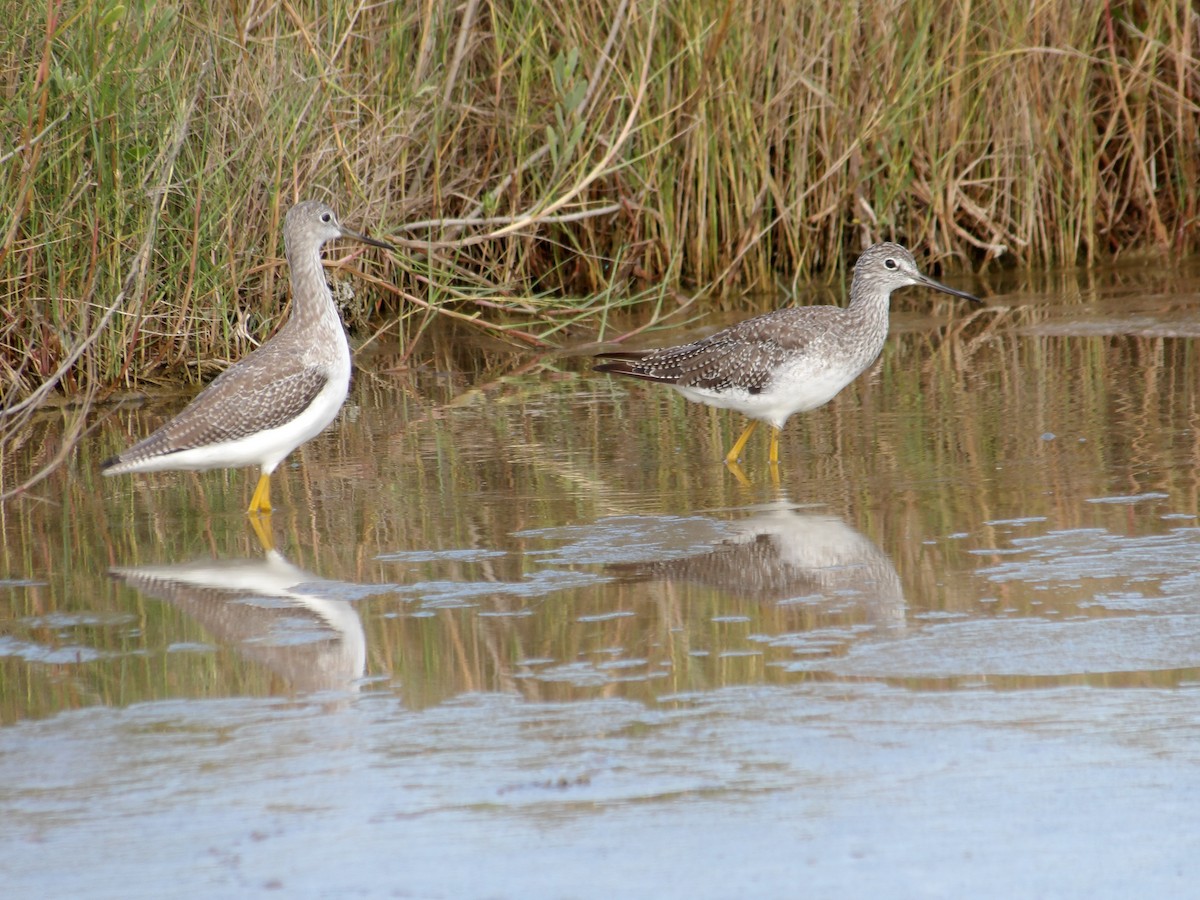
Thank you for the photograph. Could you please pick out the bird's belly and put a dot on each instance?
(788, 393)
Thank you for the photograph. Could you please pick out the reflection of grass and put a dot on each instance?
(932, 443)
(556, 162)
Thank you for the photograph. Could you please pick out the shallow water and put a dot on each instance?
(525, 635)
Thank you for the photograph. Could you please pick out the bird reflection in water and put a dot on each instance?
(270, 611)
(784, 553)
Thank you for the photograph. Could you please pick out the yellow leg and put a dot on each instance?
(261, 523)
(261, 501)
(736, 452)
(774, 457)
(737, 473)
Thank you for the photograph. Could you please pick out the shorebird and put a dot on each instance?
(787, 361)
(265, 406)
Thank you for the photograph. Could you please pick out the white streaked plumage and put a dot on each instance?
(787, 361)
(281, 395)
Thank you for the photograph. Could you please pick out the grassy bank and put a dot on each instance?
(543, 163)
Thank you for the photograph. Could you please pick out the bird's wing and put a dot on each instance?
(745, 355)
(241, 401)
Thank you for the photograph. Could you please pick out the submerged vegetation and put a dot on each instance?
(545, 164)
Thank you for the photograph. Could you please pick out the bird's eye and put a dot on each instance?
(889, 263)
(327, 217)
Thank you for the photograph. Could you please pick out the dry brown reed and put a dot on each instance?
(545, 164)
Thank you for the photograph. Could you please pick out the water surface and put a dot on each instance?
(523, 633)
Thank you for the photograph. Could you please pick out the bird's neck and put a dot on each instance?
(867, 302)
(312, 303)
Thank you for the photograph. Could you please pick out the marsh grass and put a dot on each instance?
(545, 165)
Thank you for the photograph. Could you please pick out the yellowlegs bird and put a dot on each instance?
(281, 395)
(787, 361)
